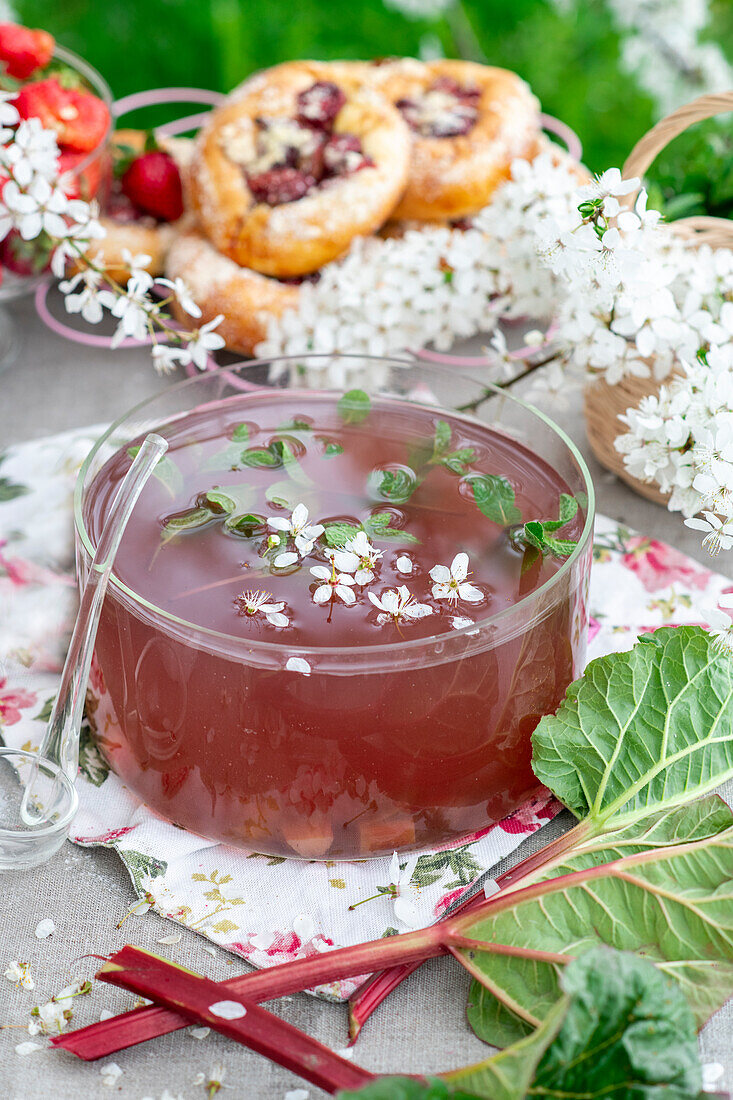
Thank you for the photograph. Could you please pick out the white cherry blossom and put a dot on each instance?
(398, 605)
(165, 357)
(332, 584)
(403, 892)
(302, 532)
(719, 532)
(20, 974)
(86, 300)
(451, 583)
(720, 623)
(205, 340)
(257, 603)
(181, 291)
(357, 556)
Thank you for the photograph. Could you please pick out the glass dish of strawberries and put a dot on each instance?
(71, 98)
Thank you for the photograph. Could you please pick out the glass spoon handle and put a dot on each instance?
(61, 741)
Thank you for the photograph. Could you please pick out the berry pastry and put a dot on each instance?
(468, 122)
(295, 165)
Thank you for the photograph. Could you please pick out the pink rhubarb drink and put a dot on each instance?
(336, 620)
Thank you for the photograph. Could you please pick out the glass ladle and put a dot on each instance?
(38, 797)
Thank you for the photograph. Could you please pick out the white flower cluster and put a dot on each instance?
(640, 302)
(661, 47)
(35, 205)
(682, 438)
(427, 286)
(433, 285)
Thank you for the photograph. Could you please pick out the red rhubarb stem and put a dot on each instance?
(368, 997)
(193, 996)
(109, 1036)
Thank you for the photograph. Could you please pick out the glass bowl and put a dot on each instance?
(338, 752)
(89, 178)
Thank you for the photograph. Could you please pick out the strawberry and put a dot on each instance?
(153, 184)
(79, 119)
(85, 184)
(23, 50)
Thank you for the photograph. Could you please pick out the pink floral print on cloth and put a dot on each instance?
(267, 909)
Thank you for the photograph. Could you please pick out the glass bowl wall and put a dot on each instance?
(415, 743)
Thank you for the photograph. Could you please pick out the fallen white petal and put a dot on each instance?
(304, 928)
(298, 664)
(345, 1052)
(110, 1073)
(176, 937)
(28, 1048)
(45, 928)
(210, 949)
(297, 1094)
(199, 1032)
(711, 1073)
(404, 564)
(228, 1010)
(262, 940)
(491, 887)
(105, 1014)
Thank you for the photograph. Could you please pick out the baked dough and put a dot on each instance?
(218, 285)
(248, 138)
(453, 175)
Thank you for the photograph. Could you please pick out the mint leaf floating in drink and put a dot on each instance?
(354, 406)
(494, 496)
(396, 485)
(333, 449)
(166, 472)
(455, 461)
(537, 535)
(230, 456)
(379, 526)
(186, 521)
(263, 457)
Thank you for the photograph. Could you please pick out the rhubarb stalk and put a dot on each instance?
(199, 1000)
(369, 996)
(109, 1036)
(408, 950)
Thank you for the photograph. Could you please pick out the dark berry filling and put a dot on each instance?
(294, 155)
(319, 104)
(445, 109)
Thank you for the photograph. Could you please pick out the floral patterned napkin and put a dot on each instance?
(262, 908)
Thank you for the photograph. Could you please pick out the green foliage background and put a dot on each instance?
(570, 59)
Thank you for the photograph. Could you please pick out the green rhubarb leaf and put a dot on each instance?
(672, 903)
(494, 496)
(166, 472)
(622, 1029)
(642, 730)
(491, 1020)
(408, 1088)
(354, 406)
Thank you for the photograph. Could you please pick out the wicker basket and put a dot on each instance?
(604, 403)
